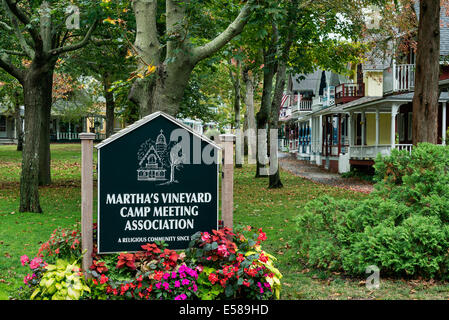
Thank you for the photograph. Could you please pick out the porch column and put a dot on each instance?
(57, 128)
(363, 128)
(394, 112)
(339, 134)
(350, 129)
(320, 133)
(311, 134)
(443, 126)
(377, 126)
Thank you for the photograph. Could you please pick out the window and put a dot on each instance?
(2, 123)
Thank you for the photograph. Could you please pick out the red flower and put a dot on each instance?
(240, 257)
(251, 272)
(213, 278)
(262, 235)
(263, 258)
(151, 248)
(126, 259)
(98, 266)
(103, 279)
(158, 275)
(246, 283)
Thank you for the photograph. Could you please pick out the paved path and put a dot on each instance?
(312, 172)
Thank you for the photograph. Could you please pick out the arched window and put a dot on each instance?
(152, 159)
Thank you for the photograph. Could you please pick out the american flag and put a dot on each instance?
(284, 98)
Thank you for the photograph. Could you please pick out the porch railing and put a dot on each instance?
(304, 105)
(372, 151)
(346, 92)
(399, 78)
(75, 136)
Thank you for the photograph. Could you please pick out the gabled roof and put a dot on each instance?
(148, 152)
(147, 119)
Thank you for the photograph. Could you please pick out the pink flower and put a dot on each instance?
(205, 236)
(35, 263)
(24, 260)
(27, 278)
(222, 250)
(182, 296)
(185, 281)
(177, 284)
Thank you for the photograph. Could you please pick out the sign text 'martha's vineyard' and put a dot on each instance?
(170, 205)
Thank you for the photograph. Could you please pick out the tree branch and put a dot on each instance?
(23, 18)
(78, 45)
(6, 64)
(25, 47)
(14, 53)
(235, 28)
(5, 26)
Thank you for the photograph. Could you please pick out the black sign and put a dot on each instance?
(157, 181)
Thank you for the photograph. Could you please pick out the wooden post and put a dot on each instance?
(443, 124)
(227, 182)
(86, 198)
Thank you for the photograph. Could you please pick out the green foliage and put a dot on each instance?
(61, 281)
(402, 227)
(220, 265)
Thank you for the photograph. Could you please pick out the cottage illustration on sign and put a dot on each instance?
(155, 157)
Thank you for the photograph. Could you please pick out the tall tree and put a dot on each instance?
(34, 35)
(427, 72)
(303, 35)
(180, 46)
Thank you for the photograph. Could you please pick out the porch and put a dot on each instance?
(8, 133)
(379, 126)
(347, 92)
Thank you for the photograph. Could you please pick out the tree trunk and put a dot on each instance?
(110, 105)
(147, 47)
(425, 98)
(262, 117)
(237, 117)
(275, 178)
(250, 120)
(44, 146)
(163, 91)
(18, 123)
(37, 90)
(172, 79)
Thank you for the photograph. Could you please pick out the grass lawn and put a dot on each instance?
(272, 210)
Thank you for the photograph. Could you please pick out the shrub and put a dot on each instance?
(402, 227)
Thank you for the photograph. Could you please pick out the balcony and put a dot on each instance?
(347, 92)
(302, 106)
(399, 78)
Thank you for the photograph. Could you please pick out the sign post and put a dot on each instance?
(86, 198)
(227, 184)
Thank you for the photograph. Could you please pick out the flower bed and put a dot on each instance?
(217, 265)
